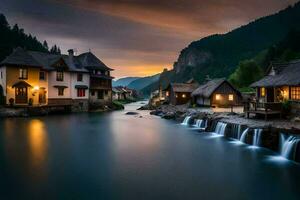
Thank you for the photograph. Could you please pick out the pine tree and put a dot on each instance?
(45, 44)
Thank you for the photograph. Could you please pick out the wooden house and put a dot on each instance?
(217, 92)
(281, 83)
(179, 93)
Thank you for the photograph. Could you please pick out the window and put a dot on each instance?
(106, 92)
(59, 76)
(93, 93)
(218, 96)
(167, 93)
(183, 95)
(295, 93)
(81, 92)
(79, 77)
(263, 92)
(61, 91)
(23, 73)
(100, 94)
(230, 97)
(42, 75)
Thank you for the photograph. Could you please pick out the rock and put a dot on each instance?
(131, 113)
(169, 115)
(156, 112)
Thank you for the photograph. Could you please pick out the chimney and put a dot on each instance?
(71, 53)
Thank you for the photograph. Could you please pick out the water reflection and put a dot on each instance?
(38, 142)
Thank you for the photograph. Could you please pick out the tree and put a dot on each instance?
(45, 44)
(55, 50)
(3, 21)
(246, 73)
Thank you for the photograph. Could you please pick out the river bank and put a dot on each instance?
(271, 132)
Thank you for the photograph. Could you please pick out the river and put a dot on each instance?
(118, 156)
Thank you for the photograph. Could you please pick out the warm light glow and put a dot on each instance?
(176, 96)
(167, 93)
(262, 92)
(35, 88)
(183, 95)
(218, 96)
(230, 97)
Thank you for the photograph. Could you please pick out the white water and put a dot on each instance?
(237, 130)
(199, 123)
(288, 146)
(220, 128)
(244, 134)
(186, 120)
(256, 137)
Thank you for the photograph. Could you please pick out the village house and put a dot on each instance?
(178, 93)
(282, 83)
(45, 79)
(124, 93)
(218, 93)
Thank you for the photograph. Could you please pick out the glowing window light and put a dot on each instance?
(167, 93)
(218, 96)
(263, 91)
(230, 97)
(183, 95)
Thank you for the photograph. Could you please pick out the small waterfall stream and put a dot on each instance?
(198, 123)
(220, 128)
(289, 146)
(186, 120)
(244, 135)
(256, 137)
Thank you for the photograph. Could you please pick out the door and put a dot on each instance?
(270, 94)
(21, 95)
(42, 96)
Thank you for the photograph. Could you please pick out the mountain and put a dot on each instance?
(143, 82)
(124, 81)
(13, 37)
(219, 55)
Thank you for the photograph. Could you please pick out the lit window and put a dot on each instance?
(183, 95)
(295, 93)
(23, 73)
(167, 93)
(218, 96)
(176, 96)
(262, 91)
(230, 97)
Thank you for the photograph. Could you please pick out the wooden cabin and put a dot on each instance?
(218, 93)
(179, 93)
(282, 83)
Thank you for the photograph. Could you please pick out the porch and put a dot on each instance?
(266, 109)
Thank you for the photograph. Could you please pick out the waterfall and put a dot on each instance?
(288, 146)
(220, 128)
(256, 137)
(186, 120)
(237, 130)
(199, 123)
(244, 134)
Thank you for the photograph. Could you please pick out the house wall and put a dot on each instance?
(224, 91)
(106, 99)
(12, 77)
(53, 91)
(85, 81)
(3, 79)
(203, 101)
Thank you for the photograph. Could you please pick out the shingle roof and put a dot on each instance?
(183, 87)
(20, 57)
(285, 74)
(207, 89)
(80, 63)
(90, 61)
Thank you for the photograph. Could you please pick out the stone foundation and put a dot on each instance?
(80, 105)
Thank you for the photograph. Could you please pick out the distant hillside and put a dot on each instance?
(124, 81)
(143, 82)
(219, 55)
(12, 37)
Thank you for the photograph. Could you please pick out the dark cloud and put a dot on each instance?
(136, 37)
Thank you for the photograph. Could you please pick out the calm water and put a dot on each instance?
(117, 156)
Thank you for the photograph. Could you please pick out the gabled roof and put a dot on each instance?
(80, 63)
(20, 57)
(90, 61)
(183, 87)
(207, 89)
(283, 74)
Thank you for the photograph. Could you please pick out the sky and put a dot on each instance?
(134, 37)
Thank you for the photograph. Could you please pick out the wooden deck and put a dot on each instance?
(266, 109)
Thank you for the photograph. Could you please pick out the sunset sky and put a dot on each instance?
(135, 37)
